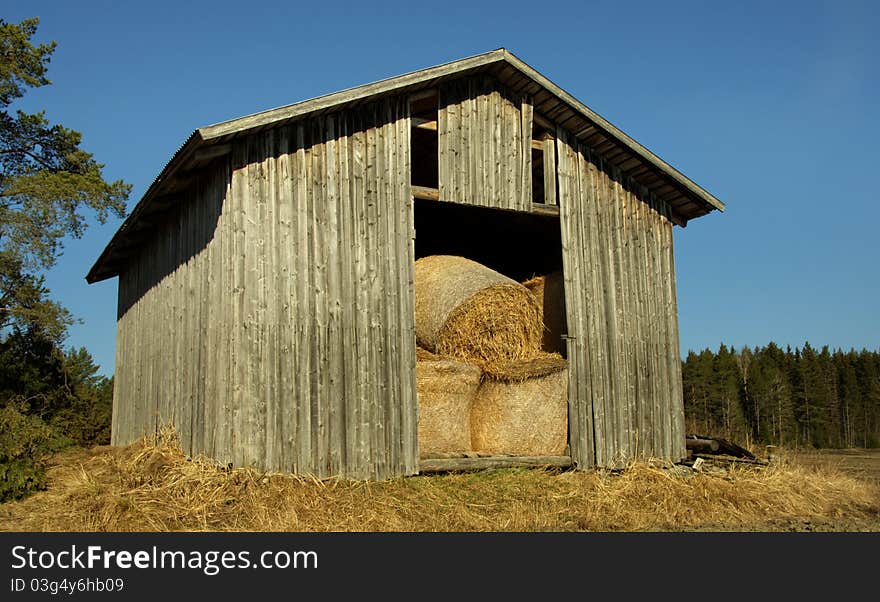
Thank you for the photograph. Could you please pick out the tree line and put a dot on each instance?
(798, 398)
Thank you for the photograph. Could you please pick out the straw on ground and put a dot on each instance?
(151, 485)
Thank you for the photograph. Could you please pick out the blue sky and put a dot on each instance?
(772, 107)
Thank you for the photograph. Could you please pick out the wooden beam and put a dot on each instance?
(548, 210)
(544, 123)
(425, 193)
(701, 445)
(428, 465)
(549, 148)
(423, 94)
(424, 124)
(211, 152)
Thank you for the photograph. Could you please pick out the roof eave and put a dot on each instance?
(99, 271)
(615, 132)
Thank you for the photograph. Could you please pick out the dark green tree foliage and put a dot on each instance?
(25, 440)
(49, 187)
(800, 397)
(46, 183)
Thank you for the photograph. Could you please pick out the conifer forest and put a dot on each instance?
(802, 397)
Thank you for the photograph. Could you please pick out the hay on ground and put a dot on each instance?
(446, 392)
(549, 291)
(468, 311)
(522, 415)
(153, 486)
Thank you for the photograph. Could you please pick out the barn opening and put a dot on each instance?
(517, 236)
(517, 244)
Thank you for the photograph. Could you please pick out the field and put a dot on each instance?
(152, 486)
(863, 464)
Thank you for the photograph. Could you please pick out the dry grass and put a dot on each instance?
(152, 486)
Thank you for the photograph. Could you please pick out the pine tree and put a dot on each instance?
(850, 395)
(727, 390)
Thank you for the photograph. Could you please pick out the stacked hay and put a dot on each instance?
(446, 390)
(521, 408)
(468, 311)
(549, 291)
(493, 326)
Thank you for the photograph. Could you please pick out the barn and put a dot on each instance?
(265, 298)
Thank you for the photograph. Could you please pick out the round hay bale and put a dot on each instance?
(446, 391)
(549, 291)
(527, 417)
(468, 311)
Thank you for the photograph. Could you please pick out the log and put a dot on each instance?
(716, 445)
(427, 465)
(701, 445)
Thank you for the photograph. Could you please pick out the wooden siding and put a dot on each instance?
(484, 145)
(625, 397)
(270, 317)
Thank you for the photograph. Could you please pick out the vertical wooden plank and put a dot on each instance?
(235, 441)
(387, 261)
(443, 132)
(464, 163)
(642, 419)
(362, 340)
(617, 333)
(510, 158)
(219, 326)
(336, 344)
(252, 249)
(678, 445)
(486, 140)
(195, 381)
(374, 342)
(122, 399)
(663, 333)
(577, 215)
(191, 318)
(406, 250)
(322, 247)
(449, 177)
(596, 306)
(347, 332)
(549, 152)
(272, 299)
(285, 400)
(493, 163)
(303, 324)
(662, 402)
(571, 261)
(634, 319)
(524, 203)
(583, 297)
(650, 320)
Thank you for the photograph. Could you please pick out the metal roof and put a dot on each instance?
(687, 199)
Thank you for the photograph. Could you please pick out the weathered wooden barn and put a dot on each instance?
(266, 277)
